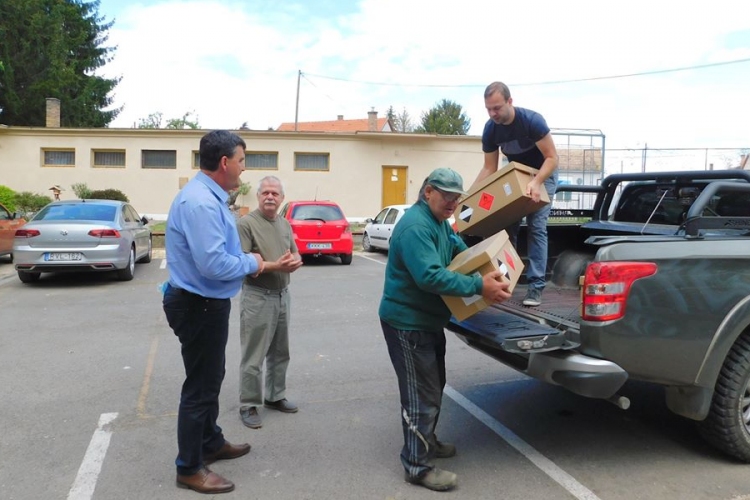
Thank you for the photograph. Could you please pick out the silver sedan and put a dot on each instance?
(82, 235)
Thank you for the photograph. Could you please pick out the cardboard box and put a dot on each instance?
(498, 201)
(491, 254)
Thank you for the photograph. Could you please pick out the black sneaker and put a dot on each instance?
(249, 416)
(533, 297)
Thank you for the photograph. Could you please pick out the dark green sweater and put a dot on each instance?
(420, 250)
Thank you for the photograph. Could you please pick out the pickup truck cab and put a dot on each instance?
(9, 222)
(651, 284)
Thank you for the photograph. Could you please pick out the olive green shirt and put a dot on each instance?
(270, 238)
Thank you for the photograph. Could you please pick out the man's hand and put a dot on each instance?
(494, 288)
(533, 189)
(287, 263)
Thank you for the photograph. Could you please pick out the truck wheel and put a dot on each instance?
(727, 426)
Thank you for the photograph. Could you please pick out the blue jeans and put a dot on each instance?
(202, 325)
(419, 360)
(536, 238)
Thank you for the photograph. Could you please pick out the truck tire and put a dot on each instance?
(727, 426)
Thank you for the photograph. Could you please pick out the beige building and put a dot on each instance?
(362, 171)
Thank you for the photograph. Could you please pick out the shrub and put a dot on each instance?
(28, 202)
(108, 194)
(81, 190)
(8, 198)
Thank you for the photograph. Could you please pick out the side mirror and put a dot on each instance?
(368, 220)
(144, 220)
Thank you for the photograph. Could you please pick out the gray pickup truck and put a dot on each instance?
(652, 284)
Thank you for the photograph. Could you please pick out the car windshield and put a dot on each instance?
(82, 211)
(317, 212)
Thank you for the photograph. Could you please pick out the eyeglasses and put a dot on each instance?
(448, 197)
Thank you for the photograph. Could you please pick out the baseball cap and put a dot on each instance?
(447, 180)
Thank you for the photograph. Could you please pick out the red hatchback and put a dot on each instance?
(320, 228)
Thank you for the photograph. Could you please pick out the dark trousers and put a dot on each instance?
(419, 360)
(202, 325)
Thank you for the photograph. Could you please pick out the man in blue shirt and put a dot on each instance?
(523, 136)
(206, 268)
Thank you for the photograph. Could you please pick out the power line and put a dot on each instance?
(551, 82)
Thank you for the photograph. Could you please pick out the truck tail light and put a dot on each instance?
(26, 233)
(606, 286)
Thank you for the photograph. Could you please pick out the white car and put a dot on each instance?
(377, 232)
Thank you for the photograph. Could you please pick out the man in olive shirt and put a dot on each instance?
(264, 319)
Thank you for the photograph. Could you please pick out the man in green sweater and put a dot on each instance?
(413, 315)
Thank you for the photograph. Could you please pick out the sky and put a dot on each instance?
(238, 62)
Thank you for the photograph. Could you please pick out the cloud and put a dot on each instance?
(238, 62)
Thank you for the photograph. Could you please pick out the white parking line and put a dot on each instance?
(163, 264)
(88, 473)
(545, 464)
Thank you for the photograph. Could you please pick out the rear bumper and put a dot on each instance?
(581, 374)
(101, 258)
(563, 366)
(342, 246)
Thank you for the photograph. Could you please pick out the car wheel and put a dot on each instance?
(27, 277)
(346, 258)
(366, 245)
(129, 271)
(727, 426)
(147, 258)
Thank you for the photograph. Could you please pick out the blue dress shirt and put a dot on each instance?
(204, 254)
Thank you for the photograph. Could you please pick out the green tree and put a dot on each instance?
(52, 48)
(155, 120)
(401, 121)
(446, 118)
(151, 121)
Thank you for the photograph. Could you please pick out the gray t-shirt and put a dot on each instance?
(270, 238)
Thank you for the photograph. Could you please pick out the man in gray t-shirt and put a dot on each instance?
(264, 318)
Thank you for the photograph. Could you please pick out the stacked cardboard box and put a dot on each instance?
(492, 254)
(498, 201)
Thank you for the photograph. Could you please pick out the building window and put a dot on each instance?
(59, 157)
(256, 160)
(311, 161)
(156, 158)
(196, 159)
(109, 158)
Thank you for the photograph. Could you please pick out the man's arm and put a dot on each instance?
(547, 146)
(491, 162)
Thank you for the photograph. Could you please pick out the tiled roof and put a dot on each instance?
(335, 126)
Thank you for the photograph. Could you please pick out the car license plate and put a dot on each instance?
(58, 256)
(318, 246)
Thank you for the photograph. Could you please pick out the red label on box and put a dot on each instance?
(509, 260)
(486, 200)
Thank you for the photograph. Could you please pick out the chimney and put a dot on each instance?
(53, 112)
(340, 117)
(372, 121)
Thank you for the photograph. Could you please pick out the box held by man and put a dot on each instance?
(498, 201)
(492, 254)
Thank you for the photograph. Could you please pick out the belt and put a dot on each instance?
(268, 291)
(186, 293)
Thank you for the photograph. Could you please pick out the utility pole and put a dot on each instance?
(296, 106)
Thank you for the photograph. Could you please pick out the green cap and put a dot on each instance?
(447, 180)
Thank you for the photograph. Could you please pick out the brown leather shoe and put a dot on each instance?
(205, 481)
(228, 451)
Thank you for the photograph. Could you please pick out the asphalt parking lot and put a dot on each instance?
(91, 378)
